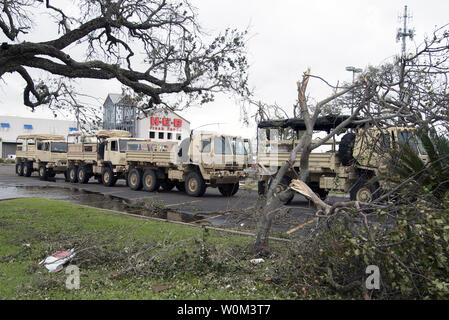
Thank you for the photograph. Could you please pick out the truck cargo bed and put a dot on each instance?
(317, 161)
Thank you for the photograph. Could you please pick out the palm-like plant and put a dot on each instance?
(430, 176)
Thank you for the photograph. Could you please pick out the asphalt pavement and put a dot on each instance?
(213, 206)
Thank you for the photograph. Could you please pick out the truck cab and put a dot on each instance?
(372, 145)
(44, 153)
(214, 160)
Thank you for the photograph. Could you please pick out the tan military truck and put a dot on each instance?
(200, 161)
(101, 155)
(361, 156)
(44, 153)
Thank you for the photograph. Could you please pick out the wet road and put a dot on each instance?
(208, 208)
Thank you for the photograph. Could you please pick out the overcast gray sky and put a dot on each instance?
(286, 37)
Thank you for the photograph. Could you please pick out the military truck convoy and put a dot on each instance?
(201, 161)
(362, 156)
(214, 160)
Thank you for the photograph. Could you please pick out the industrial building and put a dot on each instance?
(12, 126)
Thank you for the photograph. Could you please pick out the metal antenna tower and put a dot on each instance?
(403, 33)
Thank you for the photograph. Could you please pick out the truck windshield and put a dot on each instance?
(222, 145)
(238, 147)
(122, 145)
(412, 140)
(60, 147)
(421, 148)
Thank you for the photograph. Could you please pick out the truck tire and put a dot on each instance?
(72, 174)
(229, 189)
(43, 172)
(51, 173)
(166, 185)
(108, 177)
(83, 175)
(66, 176)
(135, 179)
(20, 169)
(180, 186)
(27, 169)
(150, 181)
(346, 149)
(195, 185)
(364, 190)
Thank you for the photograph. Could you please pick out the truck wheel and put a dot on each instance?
(51, 173)
(346, 149)
(166, 185)
(364, 190)
(27, 169)
(135, 179)
(83, 175)
(150, 181)
(108, 177)
(66, 176)
(72, 174)
(229, 189)
(180, 186)
(195, 185)
(43, 172)
(99, 179)
(20, 169)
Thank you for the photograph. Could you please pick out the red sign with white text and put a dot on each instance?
(167, 124)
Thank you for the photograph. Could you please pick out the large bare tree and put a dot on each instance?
(154, 47)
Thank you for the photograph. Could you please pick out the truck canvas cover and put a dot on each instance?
(41, 137)
(325, 123)
(113, 134)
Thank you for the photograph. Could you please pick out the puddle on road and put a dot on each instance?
(83, 197)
